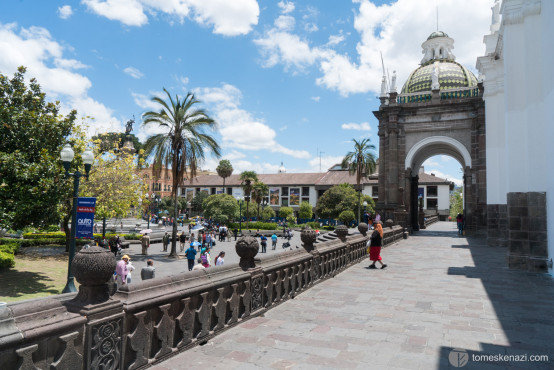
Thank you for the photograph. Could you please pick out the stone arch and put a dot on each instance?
(435, 145)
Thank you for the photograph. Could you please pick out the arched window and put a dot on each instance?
(441, 55)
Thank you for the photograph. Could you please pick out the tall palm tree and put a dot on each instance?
(248, 178)
(182, 145)
(224, 170)
(361, 162)
(259, 191)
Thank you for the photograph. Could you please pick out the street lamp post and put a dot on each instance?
(240, 213)
(67, 155)
(149, 215)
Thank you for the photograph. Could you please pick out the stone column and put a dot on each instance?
(93, 268)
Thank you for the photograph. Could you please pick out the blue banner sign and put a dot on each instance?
(85, 217)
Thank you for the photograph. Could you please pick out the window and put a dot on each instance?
(230, 191)
(432, 204)
(431, 191)
(306, 199)
(375, 192)
(212, 191)
(285, 191)
(320, 193)
(284, 202)
(146, 176)
(305, 191)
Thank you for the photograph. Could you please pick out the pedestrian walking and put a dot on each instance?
(263, 239)
(145, 243)
(219, 259)
(460, 223)
(375, 243)
(273, 241)
(148, 271)
(199, 265)
(165, 241)
(121, 271)
(130, 268)
(191, 255)
(182, 240)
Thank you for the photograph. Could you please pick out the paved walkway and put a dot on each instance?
(439, 292)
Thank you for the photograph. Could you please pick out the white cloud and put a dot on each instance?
(285, 22)
(286, 6)
(238, 128)
(229, 18)
(283, 128)
(133, 72)
(311, 27)
(65, 11)
(389, 28)
(315, 98)
(335, 40)
(145, 102)
(35, 49)
(326, 163)
(364, 126)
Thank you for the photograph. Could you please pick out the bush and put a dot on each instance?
(313, 224)
(6, 260)
(254, 225)
(54, 235)
(346, 217)
(329, 227)
(52, 228)
(25, 243)
(10, 247)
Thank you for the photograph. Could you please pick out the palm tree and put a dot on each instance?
(247, 179)
(360, 162)
(259, 191)
(182, 145)
(224, 170)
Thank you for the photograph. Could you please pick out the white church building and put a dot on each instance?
(518, 76)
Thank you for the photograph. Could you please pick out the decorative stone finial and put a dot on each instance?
(341, 231)
(389, 223)
(362, 228)
(93, 268)
(247, 248)
(308, 237)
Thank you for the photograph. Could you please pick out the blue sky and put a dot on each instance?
(287, 81)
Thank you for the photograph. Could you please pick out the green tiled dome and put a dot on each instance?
(437, 34)
(452, 75)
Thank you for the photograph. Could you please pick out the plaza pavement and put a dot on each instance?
(439, 292)
(170, 266)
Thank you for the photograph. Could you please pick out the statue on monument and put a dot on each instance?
(129, 125)
(393, 82)
(383, 87)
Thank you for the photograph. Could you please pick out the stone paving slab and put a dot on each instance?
(439, 292)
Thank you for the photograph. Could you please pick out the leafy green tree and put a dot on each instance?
(32, 133)
(346, 217)
(114, 182)
(259, 192)
(305, 210)
(220, 207)
(267, 213)
(198, 200)
(286, 212)
(248, 178)
(361, 162)
(341, 198)
(456, 202)
(183, 144)
(224, 170)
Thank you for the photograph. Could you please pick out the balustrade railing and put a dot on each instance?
(149, 321)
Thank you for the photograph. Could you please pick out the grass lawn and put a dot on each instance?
(33, 276)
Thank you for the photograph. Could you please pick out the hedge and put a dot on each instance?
(6, 259)
(255, 225)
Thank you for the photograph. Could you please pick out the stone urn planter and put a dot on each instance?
(247, 248)
(341, 231)
(308, 237)
(362, 228)
(93, 268)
